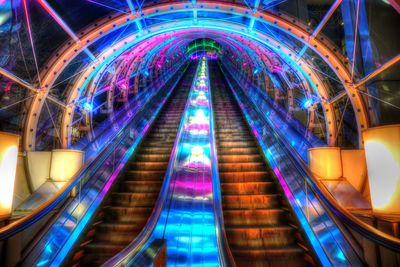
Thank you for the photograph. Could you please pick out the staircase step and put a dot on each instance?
(245, 177)
(134, 215)
(149, 166)
(260, 217)
(237, 150)
(140, 186)
(154, 150)
(251, 201)
(249, 188)
(153, 157)
(144, 175)
(257, 237)
(134, 199)
(103, 248)
(272, 257)
(242, 166)
(117, 227)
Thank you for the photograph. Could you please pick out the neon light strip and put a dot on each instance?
(189, 229)
(187, 221)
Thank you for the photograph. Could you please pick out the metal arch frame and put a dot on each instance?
(86, 77)
(261, 51)
(152, 52)
(123, 67)
(334, 60)
(321, 90)
(65, 135)
(258, 53)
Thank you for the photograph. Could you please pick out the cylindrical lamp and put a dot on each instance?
(382, 149)
(8, 165)
(65, 163)
(325, 162)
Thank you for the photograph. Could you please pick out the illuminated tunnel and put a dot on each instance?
(304, 87)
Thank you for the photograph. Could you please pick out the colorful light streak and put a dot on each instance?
(187, 221)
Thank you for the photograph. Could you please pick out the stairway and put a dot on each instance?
(258, 223)
(126, 210)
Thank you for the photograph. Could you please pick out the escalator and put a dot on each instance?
(127, 208)
(260, 227)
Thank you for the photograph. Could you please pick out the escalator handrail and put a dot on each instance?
(124, 257)
(49, 205)
(331, 204)
(121, 113)
(226, 256)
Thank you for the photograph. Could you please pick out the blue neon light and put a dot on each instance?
(307, 103)
(187, 221)
(88, 106)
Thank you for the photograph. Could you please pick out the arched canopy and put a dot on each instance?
(151, 40)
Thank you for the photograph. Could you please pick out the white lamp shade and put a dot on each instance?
(325, 162)
(65, 164)
(8, 165)
(382, 149)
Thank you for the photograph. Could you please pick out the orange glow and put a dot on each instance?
(8, 166)
(355, 174)
(325, 162)
(382, 149)
(65, 164)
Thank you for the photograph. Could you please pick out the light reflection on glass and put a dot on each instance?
(187, 221)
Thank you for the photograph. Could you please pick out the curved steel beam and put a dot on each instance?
(93, 33)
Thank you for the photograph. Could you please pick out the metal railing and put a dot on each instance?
(328, 202)
(96, 174)
(131, 253)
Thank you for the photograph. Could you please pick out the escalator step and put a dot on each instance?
(129, 199)
(248, 188)
(244, 177)
(257, 223)
(251, 201)
(261, 217)
(265, 237)
(127, 208)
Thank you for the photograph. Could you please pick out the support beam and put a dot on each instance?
(327, 16)
(372, 75)
(321, 25)
(195, 16)
(337, 97)
(28, 86)
(63, 25)
(251, 24)
(138, 25)
(131, 6)
(256, 4)
(56, 101)
(20, 81)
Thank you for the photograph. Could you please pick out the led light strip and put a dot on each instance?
(190, 229)
(187, 222)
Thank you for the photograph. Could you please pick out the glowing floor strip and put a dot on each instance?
(187, 222)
